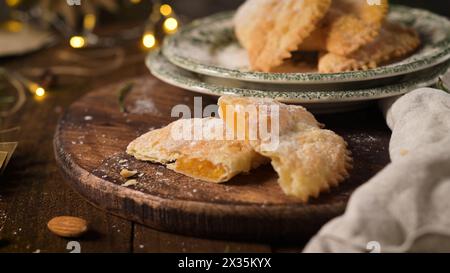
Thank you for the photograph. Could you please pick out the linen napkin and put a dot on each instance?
(405, 207)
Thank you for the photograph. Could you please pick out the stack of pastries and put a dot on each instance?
(348, 35)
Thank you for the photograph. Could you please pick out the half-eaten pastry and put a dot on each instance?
(307, 158)
(197, 148)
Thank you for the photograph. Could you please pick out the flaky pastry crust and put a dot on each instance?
(212, 158)
(308, 159)
(271, 29)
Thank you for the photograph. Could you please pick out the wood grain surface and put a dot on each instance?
(93, 134)
(32, 191)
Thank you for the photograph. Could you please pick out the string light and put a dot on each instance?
(36, 89)
(149, 40)
(161, 13)
(40, 92)
(165, 10)
(170, 25)
(12, 3)
(89, 21)
(77, 41)
(12, 26)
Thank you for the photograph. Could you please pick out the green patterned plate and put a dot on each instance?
(161, 68)
(208, 46)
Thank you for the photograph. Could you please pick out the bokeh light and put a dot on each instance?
(170, 25)
(165, 10)
(77, 41)
(12, 3)
(13, 26)
(40, 92)
(149, 40)
(89, 21)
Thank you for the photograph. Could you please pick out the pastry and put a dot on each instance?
(347, 35)
(348, 25)
(309, 162)
(395, 41)
(246, 117)
(271, 29)
(197, 148)
(307, 158)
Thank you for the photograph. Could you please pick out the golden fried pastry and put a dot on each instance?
(245, 117)
(308, 159)
(348, 25)
(394, 41)
(197, 148)
(271, 29)
(309, 162)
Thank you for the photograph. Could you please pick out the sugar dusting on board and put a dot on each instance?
(143, 102)
(145, 106)
(3, 215)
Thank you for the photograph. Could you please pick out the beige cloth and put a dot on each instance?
(405, 207)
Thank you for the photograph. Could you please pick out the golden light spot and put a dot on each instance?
(40, 92)
(89, 21)
(36, 89)
(165, 10)
(77, 42)
(170, 25)
(135, 1)
(13, 26)
(149, 40)
(12, 3)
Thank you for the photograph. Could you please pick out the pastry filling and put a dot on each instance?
(204, 169)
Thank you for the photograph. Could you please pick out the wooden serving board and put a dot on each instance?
(92, 136)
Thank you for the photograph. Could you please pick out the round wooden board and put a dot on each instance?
(92, 136)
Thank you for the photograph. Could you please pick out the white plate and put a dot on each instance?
(330, 100)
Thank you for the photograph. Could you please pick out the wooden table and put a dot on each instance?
(32, 190)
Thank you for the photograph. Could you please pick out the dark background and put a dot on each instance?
(199, 8)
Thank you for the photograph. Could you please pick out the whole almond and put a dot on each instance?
(68, 226)
(125, 173)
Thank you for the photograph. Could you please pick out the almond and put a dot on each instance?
(130, 182)
(127, 173)
(68, 226)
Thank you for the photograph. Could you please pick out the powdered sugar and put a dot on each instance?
(3, 216)
(231, 57)
(146, 106)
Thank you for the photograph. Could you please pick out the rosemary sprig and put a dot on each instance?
(123, 92)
